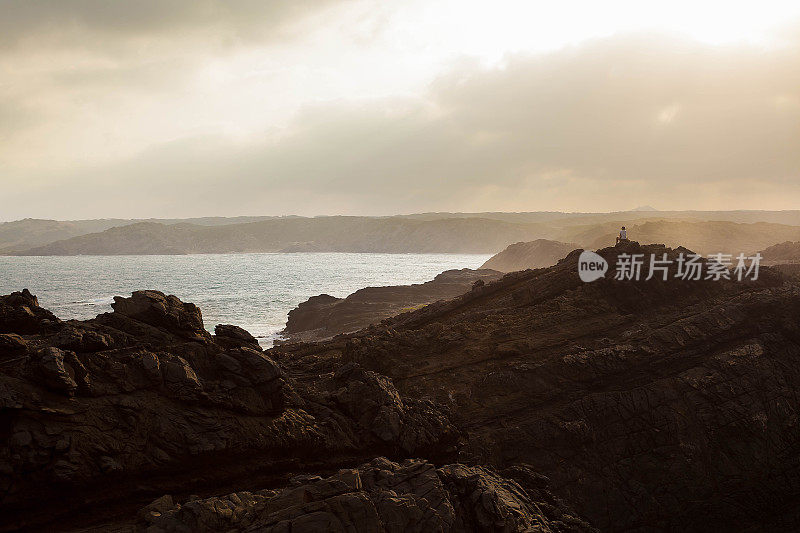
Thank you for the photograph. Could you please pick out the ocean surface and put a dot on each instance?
(254, 291)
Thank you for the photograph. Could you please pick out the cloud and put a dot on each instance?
(605, 125)
(82, 21)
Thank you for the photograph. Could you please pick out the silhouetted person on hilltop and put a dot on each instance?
(623, 235)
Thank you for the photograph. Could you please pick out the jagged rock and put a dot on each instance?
(49, 368)
(234, 336)
(157, 309)
(11, 344)
(409, 424)
(488, 502)
(650, 405)
(377, 496)
(20, 313)
(255, 364)
(154, 403)
(324, 316)
(81, 340)
(371, 399)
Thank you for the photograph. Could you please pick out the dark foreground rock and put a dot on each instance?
(20, 314)
(99, 417)
(413, 496)
(324, 316)
(651, 405)
(642, 405)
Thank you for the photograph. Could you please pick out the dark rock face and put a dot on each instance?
(156, 309)
(643, 405)
(324, 316)
(650, 405)
(20, 313)
(11, 343)
(141, 402)
(234, 336)
(380, 495)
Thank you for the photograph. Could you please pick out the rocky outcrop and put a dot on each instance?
(650, 405)
(20, 313)
(156, 309)
(142, 401)
(705, 238)
(324, 316)
(413, 496)
(647, 405)
(540, 253)
(230, 335)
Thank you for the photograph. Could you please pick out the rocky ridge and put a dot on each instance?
(642, 405)
(141, 405)
(324, 316)
(650, 405)
(380, 495)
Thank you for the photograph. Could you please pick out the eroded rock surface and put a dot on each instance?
(324, 316)
(643, 405)
(143, 401)
(650, 405)
(381, 495)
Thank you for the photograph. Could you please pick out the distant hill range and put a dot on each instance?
(328, 234)
(31, 232)
(702, 231)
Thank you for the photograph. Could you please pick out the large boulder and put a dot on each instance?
(49, 367)
(20, 313)
(234, 336)
(157, 309)
(406, 425)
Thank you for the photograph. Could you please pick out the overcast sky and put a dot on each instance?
(175, 108)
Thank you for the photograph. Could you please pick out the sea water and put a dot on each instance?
(254, 291)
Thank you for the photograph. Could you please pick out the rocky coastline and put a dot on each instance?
(534, 402)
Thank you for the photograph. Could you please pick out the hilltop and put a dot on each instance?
(703, 231)
(324, 234)
(325, 316)
(785, 252)
(650, 405)
(535, 254)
